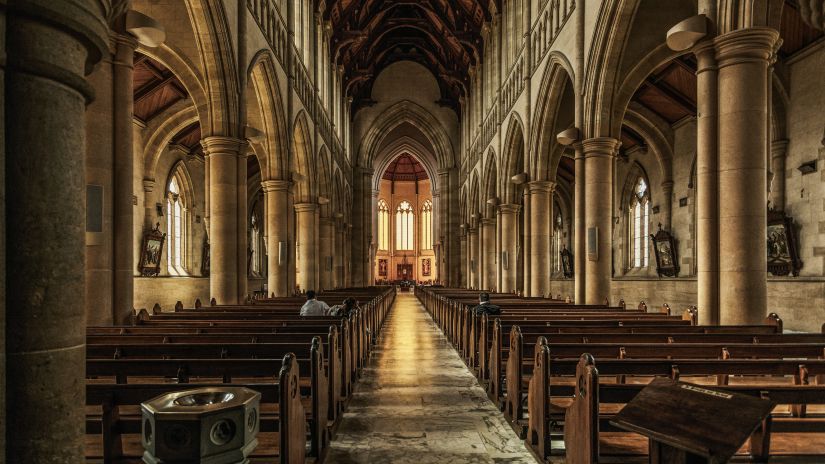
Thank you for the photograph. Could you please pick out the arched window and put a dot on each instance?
(639, 210)
(177, 226)
(557, 240)
(427, 225)
(404, 226)
(255, 246)
(383, 225)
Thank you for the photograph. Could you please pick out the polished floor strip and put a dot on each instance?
(418, 403)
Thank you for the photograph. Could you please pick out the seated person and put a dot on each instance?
(343, 310)
(484, 305)
(314, 307)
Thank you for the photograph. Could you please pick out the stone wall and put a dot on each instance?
(800, 302)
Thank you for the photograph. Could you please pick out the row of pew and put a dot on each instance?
(304, 367)
(560, 371)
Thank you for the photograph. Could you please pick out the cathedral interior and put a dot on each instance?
(179, 174)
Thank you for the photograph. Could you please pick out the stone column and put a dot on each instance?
(307, 247)
(327, 237)
(488, 247)
(667, 206)
(338, 254)
(243, 223)
(707, 184)
(779, 150)
(472, 255)
(372, 220)
(541, 195)
(276, 198)
(122, 204)
(51, 46)
(743, 58)
(526, 250)
(579, 208)
(599, 153)
(508, 218)
(223, 154)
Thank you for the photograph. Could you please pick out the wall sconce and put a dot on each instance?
(568, 136)
(685, 34)
(519, 179)
(807, 167)
(146, 30)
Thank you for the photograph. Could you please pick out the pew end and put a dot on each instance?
(581, 420)
(293, 431)
(691, 314)
(156, 309)
(776, 321)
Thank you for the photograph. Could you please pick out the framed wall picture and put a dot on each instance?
(382, 267)
(566, 263)
(667, 262)
(783, 257)
(151, 252)
(425, 267)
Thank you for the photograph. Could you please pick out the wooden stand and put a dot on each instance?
(691, 424)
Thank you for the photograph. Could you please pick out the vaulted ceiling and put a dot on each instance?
(405, 168)
(442, 35)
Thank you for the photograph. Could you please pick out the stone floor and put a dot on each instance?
(417, 403)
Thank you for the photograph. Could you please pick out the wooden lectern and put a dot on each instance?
(691, 424)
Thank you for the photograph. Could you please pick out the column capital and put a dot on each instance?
(508, 208)
(488, 221)
(541, 186)
(327, 221)
(306, 207)
(276, 185)
(366, 171)
(375, 193)
(472, 230)
(444, 171)
(746, 45)
(705, 52)
(600, 146)
(217, 144)
(779, 148)
(148, 185)
(667, 185)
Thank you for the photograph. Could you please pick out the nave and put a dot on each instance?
(418, 403)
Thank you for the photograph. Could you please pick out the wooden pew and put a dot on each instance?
(113, 434)
(587, 416)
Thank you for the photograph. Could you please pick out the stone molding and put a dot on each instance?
(600, 147)
(276, 185)
(754, 44)
(306, 207)
(220, 145)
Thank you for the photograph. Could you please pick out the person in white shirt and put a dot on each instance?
(314, 307)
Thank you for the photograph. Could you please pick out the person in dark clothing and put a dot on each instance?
(343, 310)
(485, 307)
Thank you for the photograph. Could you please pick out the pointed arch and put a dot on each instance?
(304, 166)
(264, 80)
(489, 184)
(213, 37)
(512, 161)
(558, 78)
(409, 112)
(325, 188)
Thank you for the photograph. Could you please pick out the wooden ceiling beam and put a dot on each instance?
(152, 87)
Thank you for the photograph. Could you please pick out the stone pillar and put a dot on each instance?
(122, 203)
(223, 154)
(666, 217)
(472, 255)
(743, 58)
(488, 249)
(463, 261)
(779, 150)
(599, 153)
(362, 227)
(307, 246)
(541, 196)
(579, 208)
(327, 237)
(338, 254)
(526, 250)
(372, 220)
(276, 199)
(707, 184)
(243, 224)
(508, 218)
(52, 45)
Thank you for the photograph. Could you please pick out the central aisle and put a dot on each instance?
(417, 403)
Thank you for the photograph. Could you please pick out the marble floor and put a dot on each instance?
(417, 403)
